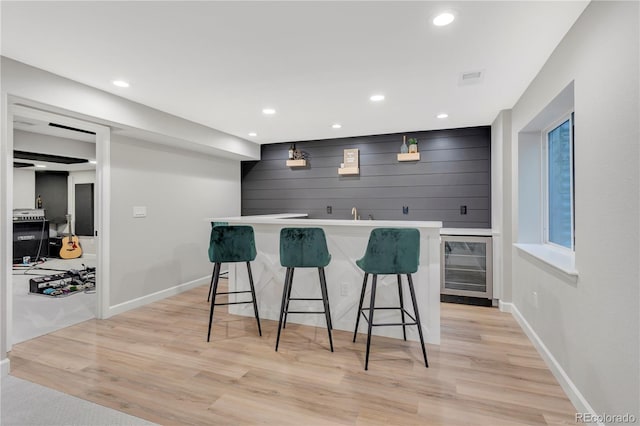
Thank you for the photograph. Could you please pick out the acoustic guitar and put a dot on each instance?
(70, 244)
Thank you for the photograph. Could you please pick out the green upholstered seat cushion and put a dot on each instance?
(303, 248)
(232, 244)
(392, 251)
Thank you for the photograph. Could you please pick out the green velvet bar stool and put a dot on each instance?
(303, 248)
(390, 251)
(230, 244)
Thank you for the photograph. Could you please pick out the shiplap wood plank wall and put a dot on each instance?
(454, 171)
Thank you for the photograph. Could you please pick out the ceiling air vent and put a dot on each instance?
(471, 77)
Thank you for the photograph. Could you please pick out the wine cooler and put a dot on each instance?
(466, 266)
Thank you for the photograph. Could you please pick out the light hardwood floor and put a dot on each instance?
(154, 362)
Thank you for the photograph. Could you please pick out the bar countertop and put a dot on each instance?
(302, 219)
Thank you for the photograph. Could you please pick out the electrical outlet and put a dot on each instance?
(329, 210)
(534, 299)
(344, 289)
(463, 209)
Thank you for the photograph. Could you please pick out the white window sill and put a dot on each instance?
(562, 260)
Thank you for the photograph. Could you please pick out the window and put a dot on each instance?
(559, 228)
(546, 212)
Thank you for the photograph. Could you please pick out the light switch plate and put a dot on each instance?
(139, 211)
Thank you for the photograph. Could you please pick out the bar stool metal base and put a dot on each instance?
(372, 308)
(286, 298)
(213, 292)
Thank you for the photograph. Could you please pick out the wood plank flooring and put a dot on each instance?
(154, 362)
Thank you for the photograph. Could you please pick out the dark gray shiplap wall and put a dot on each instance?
(454, 171)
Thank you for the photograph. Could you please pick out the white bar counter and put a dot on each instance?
(347, 242)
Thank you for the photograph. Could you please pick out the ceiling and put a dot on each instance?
(45, 128)
(317, 63)
(52, 141)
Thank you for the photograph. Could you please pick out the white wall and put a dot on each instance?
(591, 327)
(179, 189)
(85, 176)
(52, 145)
(500, 137)
(24, 188)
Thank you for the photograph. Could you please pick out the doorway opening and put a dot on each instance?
(58, 167)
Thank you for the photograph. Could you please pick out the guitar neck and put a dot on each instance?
(68, 217)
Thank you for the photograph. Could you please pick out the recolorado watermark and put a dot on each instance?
(605, 418)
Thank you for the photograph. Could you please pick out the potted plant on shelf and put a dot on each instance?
(413, 145)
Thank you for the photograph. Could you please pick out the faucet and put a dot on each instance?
(354, 212)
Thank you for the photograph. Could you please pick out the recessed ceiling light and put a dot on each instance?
(336, 126)
(377, 98)
(120, 83)
(269, 111)
(443, 19)
(252, 134)
(442, 115)
(41, 166)
(93, 162)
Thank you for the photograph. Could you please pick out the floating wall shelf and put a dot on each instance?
(349, 171)
(296, 163)
(414, 156)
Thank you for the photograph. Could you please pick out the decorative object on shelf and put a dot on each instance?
(404, 148)
(409, 153)
(296, 157)
(351, 165)
(413, 145)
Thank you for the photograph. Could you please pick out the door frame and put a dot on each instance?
(102, 193)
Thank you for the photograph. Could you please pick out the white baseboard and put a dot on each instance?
(504, 306)
(575, 396)
(154, 297)
(4, 367)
